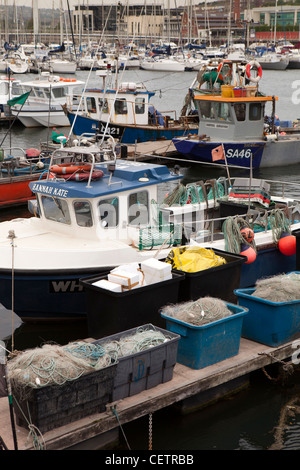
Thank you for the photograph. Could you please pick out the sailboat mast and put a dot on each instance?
(35, 18)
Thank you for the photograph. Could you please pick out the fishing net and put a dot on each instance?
(280, 288)
(54, 364)
(166, 235)
(199, 312)
(141, 340)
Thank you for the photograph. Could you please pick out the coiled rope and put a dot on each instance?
(231, 229)
(279, 223)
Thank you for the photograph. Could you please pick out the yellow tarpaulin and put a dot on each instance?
(193, 258)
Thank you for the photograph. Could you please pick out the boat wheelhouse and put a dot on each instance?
(43, 107)
(89, 222)
(125, 113)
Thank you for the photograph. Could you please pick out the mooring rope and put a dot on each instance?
(231, 229)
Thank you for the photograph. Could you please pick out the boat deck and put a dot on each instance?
(185, 383)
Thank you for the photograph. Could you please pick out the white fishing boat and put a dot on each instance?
(48, 94)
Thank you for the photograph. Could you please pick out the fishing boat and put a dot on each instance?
(234, 127)
(124, 111)
(94, 212)
(43, 107)
(8, 90)
(90, 219)
(19, 167)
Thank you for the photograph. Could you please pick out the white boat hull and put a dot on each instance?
(163, 66)
(43, 119)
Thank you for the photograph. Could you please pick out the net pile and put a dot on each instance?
(199, 312)
(280, 288)
(54, 364)
(141, 340)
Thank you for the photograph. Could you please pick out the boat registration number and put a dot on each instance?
(110, 130)
(236, 153)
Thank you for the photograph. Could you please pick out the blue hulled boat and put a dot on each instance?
(125, 113)
(233, 121)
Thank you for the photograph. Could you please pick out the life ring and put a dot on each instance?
(256, 64)
(84, 176)
(69, 168)
(220, 66)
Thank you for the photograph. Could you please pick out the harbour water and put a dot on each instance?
(250, 419)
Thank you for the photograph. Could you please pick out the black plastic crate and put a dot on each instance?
(219, 281)
(145, 369)
(111, 312)
(53, 406)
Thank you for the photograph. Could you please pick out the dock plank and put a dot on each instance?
(185, 383)
(144, 150)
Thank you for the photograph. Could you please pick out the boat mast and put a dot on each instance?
(35, 17)
(275, 22)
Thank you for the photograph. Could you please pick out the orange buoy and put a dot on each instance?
(287, 244)
(247, 234)
(249, 252)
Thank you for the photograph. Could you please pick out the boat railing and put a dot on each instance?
(284, 186)
(210, 229)
(82, 154)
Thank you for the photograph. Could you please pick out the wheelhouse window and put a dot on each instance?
(140, 105)
(103, 105)
(59, 92)
(223, 111)
(83, 213)
(206, 110)
(240, 111)
(56, 209)
(138, 208)
(39, 92)
(255, 111)
(4, 88)
(121, 106)
(17, 89)
(91, 104)
(109, 212)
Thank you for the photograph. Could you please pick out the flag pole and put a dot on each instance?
(226, 164)
(15, 117)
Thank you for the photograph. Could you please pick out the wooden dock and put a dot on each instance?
(186, 383)
(151, 150)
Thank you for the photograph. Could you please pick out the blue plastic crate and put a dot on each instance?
(201, 346)
(269, 323)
